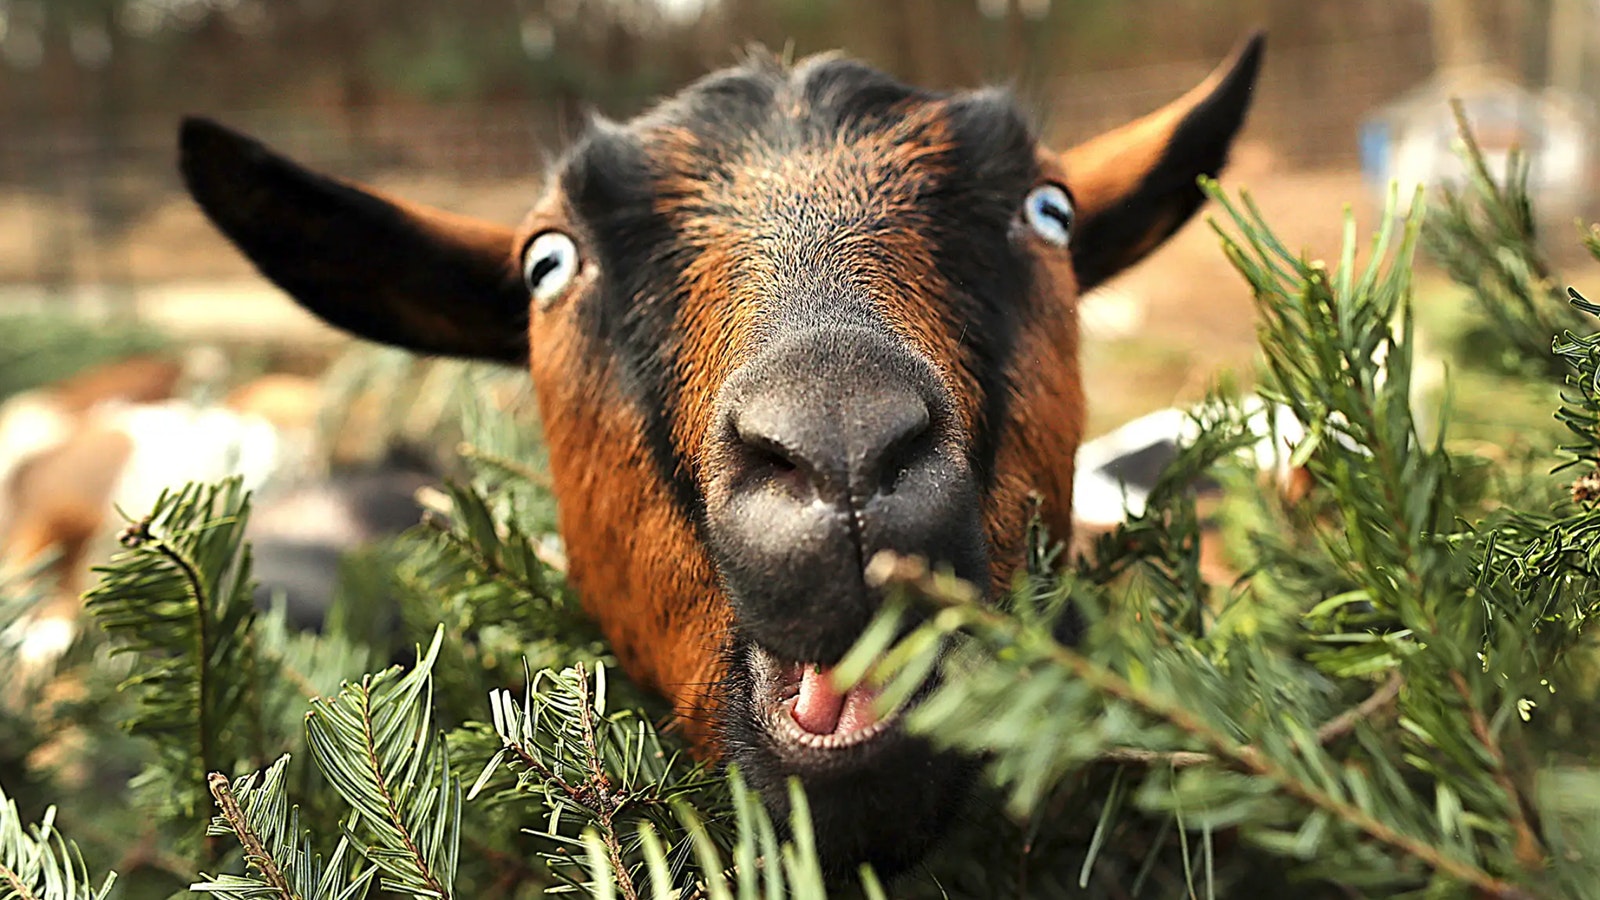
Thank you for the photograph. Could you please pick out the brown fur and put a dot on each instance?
(58, 501)
(638, 566)
(1049, 414)
(55, 501)
(136, 379)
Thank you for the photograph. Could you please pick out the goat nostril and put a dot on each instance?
(766, 460)
(899, 459)
(912, 440)
(768, 455)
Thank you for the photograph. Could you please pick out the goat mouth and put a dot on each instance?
(806, 716)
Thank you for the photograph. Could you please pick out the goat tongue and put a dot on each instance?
(821, 709)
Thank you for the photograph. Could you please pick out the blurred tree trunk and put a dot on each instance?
(347, 31)
(1016, 37)
(1461, 30)
(1570, 38)
(746, 21)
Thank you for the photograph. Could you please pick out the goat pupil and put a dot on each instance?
(544, 266)
(1050, 210)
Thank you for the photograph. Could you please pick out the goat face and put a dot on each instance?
(788, 319)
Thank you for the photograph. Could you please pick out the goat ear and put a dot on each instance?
(386, 270)
(1133, 187)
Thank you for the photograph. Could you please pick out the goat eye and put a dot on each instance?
(1048, 211)
(548, 266)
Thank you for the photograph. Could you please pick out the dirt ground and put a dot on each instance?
(1156, 335)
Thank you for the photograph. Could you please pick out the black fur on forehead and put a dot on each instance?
(606, 175)
(821, 98)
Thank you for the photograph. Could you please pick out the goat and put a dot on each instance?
(36, 423)
(115, 436)
(789, 318)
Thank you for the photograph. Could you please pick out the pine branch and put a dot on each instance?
(959, 611)
(1485, 235)
(569, 754)
(376, 745)
(1163, 541)
(37, 863)
(1580, 402)
(1326, 733)
(1234, 708)
(260, 817)
(1529, 849)
(180, 598)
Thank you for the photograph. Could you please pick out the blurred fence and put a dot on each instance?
(100, 203)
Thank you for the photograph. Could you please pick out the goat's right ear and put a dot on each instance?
(386, 270)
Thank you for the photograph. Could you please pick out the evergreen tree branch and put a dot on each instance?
(255, 852)
(595, 792)
(960, 611)
(1346, 722)
(486, 558)
(37, 863)
(1528, 848)
(1484, 234)
(568, 753)
(180, 598)
(139, 536)
(1326, 733)
(505, 464)
(375, 743)
(602, 786)
(390, 807)
(255, 810)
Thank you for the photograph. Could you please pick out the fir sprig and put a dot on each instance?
(589, 768)
(267, 827)
(37, 863)
(180, 597)
(757, 866)
(376, 745)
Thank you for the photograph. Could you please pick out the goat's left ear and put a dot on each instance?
(1133, 187)
(390, 271)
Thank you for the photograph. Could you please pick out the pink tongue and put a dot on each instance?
(821, 709)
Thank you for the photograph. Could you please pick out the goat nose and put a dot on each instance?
(833, 445)
(841, 450)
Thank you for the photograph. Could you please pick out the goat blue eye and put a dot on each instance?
(548, 266)
(1048, 211)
